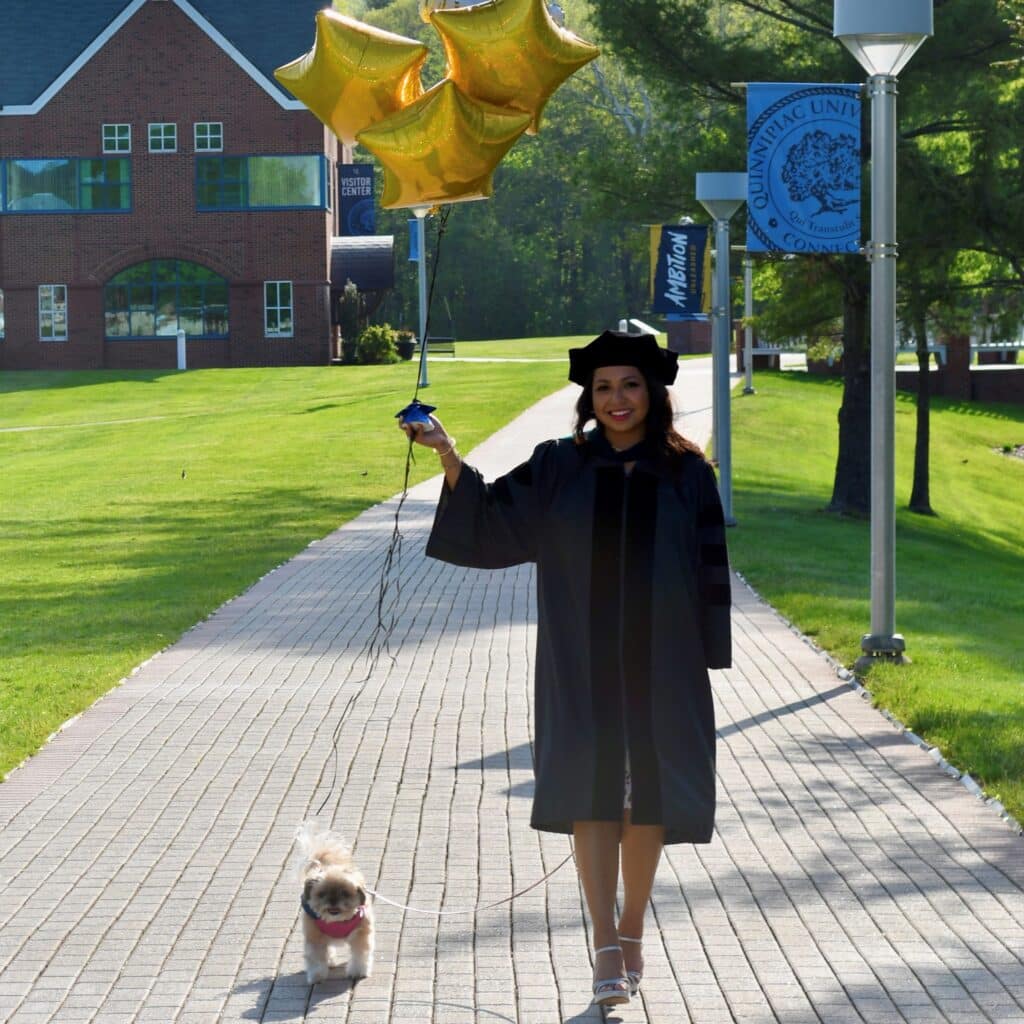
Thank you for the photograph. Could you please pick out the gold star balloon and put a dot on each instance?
(355, 75)
(428, 6)
(443, 148)
(509, 52)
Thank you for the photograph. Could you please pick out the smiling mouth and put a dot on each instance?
(617, 415)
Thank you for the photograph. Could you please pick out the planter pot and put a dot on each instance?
(406, 347)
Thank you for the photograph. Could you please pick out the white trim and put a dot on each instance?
(51, 312)
(267, 333)
(76, 65)
(196, 148)
(103, 137)
(266, 84)
(161, 125)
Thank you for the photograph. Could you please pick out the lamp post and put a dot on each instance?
(722, 194)
(421, 249)
(748, 312)
(883, 35)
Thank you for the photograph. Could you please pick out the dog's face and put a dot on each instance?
(333, 892)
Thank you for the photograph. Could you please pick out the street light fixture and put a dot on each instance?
(722, 194)
(883, 35)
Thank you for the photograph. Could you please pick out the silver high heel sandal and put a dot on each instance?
(634, 977)
(610, 991)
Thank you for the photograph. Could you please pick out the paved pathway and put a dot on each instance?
(145, 864)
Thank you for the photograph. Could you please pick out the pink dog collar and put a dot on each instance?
(337, 929)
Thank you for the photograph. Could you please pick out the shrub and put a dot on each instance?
(376, 344)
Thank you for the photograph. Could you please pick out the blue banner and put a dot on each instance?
(803, 167)
(680, 269)
(357, 209)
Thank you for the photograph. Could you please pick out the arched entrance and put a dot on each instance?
(156, 298)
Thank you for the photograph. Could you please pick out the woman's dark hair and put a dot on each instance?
(661, 430)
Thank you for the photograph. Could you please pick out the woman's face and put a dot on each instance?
(621, 403)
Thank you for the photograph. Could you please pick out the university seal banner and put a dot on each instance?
(680, 269)
(357, 210)
(803, 168)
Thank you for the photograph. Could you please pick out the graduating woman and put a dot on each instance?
(624, 523)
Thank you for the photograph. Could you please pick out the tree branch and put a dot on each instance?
(819, 28)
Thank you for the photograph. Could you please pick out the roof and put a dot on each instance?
(368, 261)
(42, 44)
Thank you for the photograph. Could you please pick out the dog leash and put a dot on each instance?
(378, 642)
(470, 910)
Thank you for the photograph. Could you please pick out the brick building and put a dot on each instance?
(154, 176)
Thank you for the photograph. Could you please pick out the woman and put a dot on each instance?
(625, 525)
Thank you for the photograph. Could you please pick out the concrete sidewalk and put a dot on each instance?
(146, 869)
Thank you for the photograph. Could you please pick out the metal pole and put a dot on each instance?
(748, 334)
(720, 367)
(882, 251)
(182, 358)
(421, 246)
(714, 351)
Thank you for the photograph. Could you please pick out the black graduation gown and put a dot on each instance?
(633, 604)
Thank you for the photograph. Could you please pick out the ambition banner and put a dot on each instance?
(680, 269)
(803, 167)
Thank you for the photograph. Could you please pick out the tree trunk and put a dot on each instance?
(920, 499)
(851, 491)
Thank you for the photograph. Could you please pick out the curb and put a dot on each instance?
(842, 672)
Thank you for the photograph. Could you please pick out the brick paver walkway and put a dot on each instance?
(146, 870)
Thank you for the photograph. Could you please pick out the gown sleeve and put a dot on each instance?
(713, 573)
(490, 526)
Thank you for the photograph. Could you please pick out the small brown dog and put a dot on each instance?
(335, 909)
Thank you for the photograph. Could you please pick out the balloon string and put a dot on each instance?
(442, 226)
(389, 591)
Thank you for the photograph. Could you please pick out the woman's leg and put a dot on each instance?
(641, 851)
(597, 861)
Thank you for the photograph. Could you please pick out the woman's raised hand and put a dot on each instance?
(437, 438)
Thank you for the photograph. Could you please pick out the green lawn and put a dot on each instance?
(960, 576)
(521, 348)
(147, 499)
(528, 348)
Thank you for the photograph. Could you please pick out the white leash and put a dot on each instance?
(470, 910)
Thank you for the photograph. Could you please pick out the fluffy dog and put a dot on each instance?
(335, 909)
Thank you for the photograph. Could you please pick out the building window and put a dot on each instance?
(163, 137)
(53, 312)
(157, 298)
(209, 136)
(261, 182)
(117, 138)
(277, 309)
(101, 185)
(104, 184)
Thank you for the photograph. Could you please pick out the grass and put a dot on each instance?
(528, 348)
(960, 575)
(520, 348)
(138, 502)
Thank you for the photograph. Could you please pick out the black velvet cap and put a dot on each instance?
(616, 348)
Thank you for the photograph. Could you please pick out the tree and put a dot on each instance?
(691, 52)
(544, 255)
